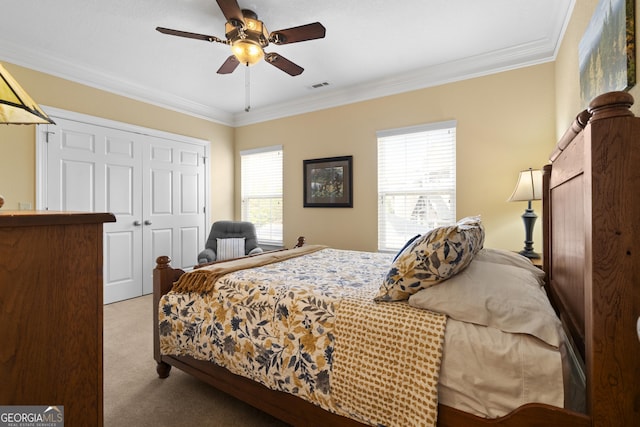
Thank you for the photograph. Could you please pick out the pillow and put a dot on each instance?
(497, 295)
(230, 248)
(406, 245)
(503, 256)
(432, 258)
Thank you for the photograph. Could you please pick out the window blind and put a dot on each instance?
(416, 181)
(261, 192)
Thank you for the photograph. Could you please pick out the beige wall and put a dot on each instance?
(17, 143)
(505, 124)
(568, 102)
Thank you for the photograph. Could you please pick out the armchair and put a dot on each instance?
(229, 230)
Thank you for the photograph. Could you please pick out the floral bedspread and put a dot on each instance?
(281, 334)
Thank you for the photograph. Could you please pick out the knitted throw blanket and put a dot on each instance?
(387, 362)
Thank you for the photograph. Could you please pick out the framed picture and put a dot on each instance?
(607, 52)
(328, 182)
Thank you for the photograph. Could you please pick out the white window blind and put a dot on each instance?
(416, 181)
(261, 192)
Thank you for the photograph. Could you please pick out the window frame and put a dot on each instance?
(272, 238)
(436, 191)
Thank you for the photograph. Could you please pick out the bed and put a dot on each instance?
(591, 264)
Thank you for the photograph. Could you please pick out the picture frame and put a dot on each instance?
(607, 52)
(328, 182)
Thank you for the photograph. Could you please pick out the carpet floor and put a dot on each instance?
(135, 396)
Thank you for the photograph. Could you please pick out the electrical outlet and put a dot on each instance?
(24, 206)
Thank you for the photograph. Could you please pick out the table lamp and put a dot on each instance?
(17, 107)
(528, 188)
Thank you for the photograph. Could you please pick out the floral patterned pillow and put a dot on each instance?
(432, 258)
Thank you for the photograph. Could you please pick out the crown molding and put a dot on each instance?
(476, 66)
(78, 73)
(467, 68)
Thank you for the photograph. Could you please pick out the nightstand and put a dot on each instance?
(538, 262)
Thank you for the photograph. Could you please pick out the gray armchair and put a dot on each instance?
(229, 229)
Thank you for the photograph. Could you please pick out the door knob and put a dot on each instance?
(147, 222)
(137, 223)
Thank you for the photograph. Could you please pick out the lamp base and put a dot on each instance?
(529, 218)
(529, 254)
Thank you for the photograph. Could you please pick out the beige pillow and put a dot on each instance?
(503, 256)
(432, 258)
(500, 296)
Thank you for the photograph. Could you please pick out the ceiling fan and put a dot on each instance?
(248, 37)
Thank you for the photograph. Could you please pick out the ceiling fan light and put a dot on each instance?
(247, 51)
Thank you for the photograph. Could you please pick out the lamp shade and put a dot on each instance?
(247, 51)
(16, 106)
(529, 186)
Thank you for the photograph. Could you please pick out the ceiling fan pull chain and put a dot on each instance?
(247, 86)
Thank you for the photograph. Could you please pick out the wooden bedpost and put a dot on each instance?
(612, 289)
(593, 258)
(546, 222)
(163, 277)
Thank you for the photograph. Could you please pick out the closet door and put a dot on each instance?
(97, 169)
(174, 204)
(154, 186)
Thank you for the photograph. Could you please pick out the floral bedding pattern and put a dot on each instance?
(281, 335)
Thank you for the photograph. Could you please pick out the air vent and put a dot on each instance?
(318, 85)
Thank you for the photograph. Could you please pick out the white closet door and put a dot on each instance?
(174, 204)
(154, 186)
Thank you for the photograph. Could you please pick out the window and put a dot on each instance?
(416, 181)
(261, 192)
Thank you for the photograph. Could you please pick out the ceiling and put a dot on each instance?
(371, 49)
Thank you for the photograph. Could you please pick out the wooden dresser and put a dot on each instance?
(51, 312)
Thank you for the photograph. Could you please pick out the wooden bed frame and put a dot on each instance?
(592, 259)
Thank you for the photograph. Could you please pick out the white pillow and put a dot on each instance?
(230, 248)
(500, 296)
(503, 256)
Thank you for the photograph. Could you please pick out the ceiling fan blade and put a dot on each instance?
(229, 65)
(298, 34)
(190, 35)
(283, 63)
(231, 12)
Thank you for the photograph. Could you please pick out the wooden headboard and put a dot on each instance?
(592, 251)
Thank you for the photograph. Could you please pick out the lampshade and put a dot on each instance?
(529, 186)
(16, 106)
(247, 51)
